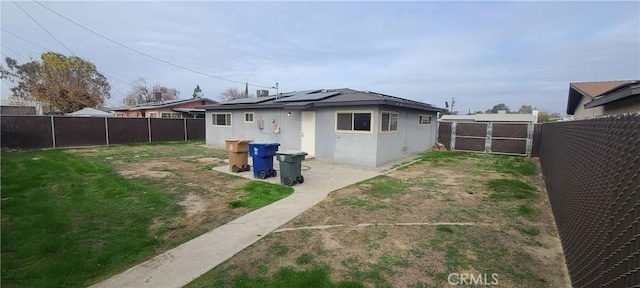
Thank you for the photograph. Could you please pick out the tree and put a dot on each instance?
(141, 93)
(197, 92)
(233, 93)
(499, 107)
(62, 83)
(546, 117)
(525, 109)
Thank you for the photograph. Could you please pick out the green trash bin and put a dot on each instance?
(291, 167)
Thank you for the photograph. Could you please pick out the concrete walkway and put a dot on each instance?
(181, 265)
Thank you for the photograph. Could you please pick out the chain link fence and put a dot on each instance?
(592, 175)
(31, 132)
(490, 137)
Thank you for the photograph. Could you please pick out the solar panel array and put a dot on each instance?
(250, 100)
(308, 97)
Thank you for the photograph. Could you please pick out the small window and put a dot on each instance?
(171, 115)
(353, 121)
(119, 114)
(221, 119)
(424, 119)
(389, 121)
(153, 115)
(248, 117)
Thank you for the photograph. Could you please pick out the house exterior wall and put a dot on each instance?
(345, 147)
(138, 113)
(410, 138)
(289, 126)
(627, 105)
(582, 113)
(369, 149)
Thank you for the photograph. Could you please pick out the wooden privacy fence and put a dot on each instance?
(29, 132)
(511, 138)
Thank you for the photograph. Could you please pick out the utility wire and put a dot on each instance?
(26, 40)
(14, 51)
(45, 29)
(145, 54)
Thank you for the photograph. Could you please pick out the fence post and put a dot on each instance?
(53, 132)
(487, 143)
(453, 135)
(106, 129)
(185, 128)
(149, 126)
(529, 145)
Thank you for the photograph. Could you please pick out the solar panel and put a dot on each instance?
(308, 97)
(294, 93)
(250, 100)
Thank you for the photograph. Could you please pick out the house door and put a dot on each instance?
(308, 132)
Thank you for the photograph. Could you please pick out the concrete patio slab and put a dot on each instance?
(181, 265)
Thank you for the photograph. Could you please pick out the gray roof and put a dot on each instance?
(309, 99)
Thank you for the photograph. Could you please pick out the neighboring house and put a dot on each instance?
(40, 108)
(501, 116)
(90, 112)
(183, 108)
(339, 125)
(17, 110)
(592, 99)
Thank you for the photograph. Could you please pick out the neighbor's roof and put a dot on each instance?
(309, 99)
(577, 90)
(90, 112)
(163, 104)
(631, 89)
(491, 118)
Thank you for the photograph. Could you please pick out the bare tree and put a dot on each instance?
(233, 93)
(142, 93)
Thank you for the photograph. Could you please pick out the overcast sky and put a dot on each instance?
(481, 53)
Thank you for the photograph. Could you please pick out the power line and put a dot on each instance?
(145, 54)
(14, 51)
(26, 40)
(45, 29)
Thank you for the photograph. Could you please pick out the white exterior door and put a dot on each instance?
(308, 132)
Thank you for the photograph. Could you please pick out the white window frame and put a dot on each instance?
(252, 117)
(397, 123)
(371, 121)
(229, 119)
(153, 114)
(121, 115)
(420, 116)
(173, 115)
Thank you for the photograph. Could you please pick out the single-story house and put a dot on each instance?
(181, 108)
(337, 125)
(90, 112)
(501, 116)
(592, 99)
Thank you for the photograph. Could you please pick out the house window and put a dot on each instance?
(353, 121)
(119, 114)
(389, 121)
(153, 115)
(221, 119)
(171, 115)
(248, 117)
(424, 119)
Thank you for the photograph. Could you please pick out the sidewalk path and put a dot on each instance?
(181, 265)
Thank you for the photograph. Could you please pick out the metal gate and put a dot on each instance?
(510, 138)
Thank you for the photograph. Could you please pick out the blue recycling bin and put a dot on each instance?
(262, 154)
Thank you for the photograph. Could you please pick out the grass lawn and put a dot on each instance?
(474, 214)
(73, 217)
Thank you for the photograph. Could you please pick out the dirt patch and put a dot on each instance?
(193, 204)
